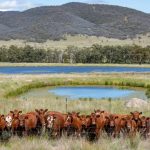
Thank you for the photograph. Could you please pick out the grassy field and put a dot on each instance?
(16, 86)
(2, 64)
(81, 41)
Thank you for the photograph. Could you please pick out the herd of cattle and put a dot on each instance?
(90, 126)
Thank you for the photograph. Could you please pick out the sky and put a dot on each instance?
(20, 5)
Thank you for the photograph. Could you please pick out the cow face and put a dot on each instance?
(143, 121)
(93, 119)
(50, 121)
(112, 122)
(75, 114)
(8, 120)
(22, 120)
(97, 112)
(136, 115)
(41, 113)
(83, 121)
(2, 117)
(69, 120)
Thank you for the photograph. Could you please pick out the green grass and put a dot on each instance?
(75, 144)
(63, 82)
(22, 94)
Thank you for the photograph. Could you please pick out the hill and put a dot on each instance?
(53, 22)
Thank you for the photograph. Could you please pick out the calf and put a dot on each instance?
(15, 122)
(12, 121)
(142, 126)
(41, 124)
(30, 121)
(73, 122)
(55, 125)
(131, 127)
(91, 129)
(110, 125)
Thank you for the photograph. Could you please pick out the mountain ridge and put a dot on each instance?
(53, 22)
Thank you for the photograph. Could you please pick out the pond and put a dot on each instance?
(82, 92)
(68, 69)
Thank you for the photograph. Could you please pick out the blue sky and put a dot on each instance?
(142, 5)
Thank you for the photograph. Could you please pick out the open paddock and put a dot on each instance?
(13, 90)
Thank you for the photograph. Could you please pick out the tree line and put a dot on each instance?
(94, 54)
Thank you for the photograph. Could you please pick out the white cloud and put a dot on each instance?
(8, 5)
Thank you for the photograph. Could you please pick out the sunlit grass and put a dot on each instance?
(20, 84)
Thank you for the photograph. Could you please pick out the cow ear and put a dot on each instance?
(102, 111)
(20, 112)
(140, 113)
(37, 110)
(69, 113)
(131, 113)
(11, 112)
(78, 113)
(45, 110)
(2, 116)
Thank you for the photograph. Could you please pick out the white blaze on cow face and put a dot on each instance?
(8, 120)
(50, 121)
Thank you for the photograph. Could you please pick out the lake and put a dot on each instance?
(96, 92)
(68, 69)
(78, 92)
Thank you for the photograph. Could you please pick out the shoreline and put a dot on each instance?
(66, 64)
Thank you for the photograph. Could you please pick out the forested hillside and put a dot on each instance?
(52, 22)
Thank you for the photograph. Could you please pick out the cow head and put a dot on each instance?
(69, 120)
(75, 114)
(41, 113)
(93, 119)
(50, 120)
(97, 112)
(9, 119)
(143, 120)
(22, 120)
(83, 119)
(110, 120)
(136, 115)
